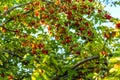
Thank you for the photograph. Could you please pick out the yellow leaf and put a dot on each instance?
(1, 63)
(112, 70)
(33, 78)
(117, 65)
(57, 2)
(0, 28)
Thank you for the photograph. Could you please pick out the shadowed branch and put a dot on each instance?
(14, 7)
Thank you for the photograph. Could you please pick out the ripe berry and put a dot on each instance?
(106, 35)
(86, 24)
(17, 31)
(51, 11)
(3, 30)
(37, 3)
(69, 1)
(35, 27)
(91, 0)
(10, 77)
(77, 52)
(41, 45)
(36, 13)
(81, 29)
(42, 8)
(33, 51)
(89, 33)
(104, 53)
(117, 25)
(107, 16)
(45, 51)
(74, 7)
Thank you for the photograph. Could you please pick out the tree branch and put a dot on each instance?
(83, 61)
(75, 66)
(12, 53)
(12, 8)
(5, 22)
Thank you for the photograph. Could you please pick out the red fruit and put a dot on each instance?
(41, 45)
(2, 75)
(68, 17)
(91, 0)
(69, 12)
(17, 31)
(63, 42)
(3, 30)
(49, 28)
(33, 51)
(63, 7)
(69, 1)
(77, 0)
(80, 19)
(45, 51)
(42, 21)
(57, 37)
(68, 40)
(35, 26)
(26, 8)
(107, 16)
(85, 7)
(44, 16)
(117, 26)
(51, 11)
(32, 23)
(34, 46)
(62, 28)
(81, 29)
(42, 8)
(57, 25)
(77, 24)
(10, 77)
(67, 37)
(106, 35)
(89, 33)
(77, 52)
(74, 7)
(36, 13)
(86, 24)
(23, 44)
(104, 53)
(99, 11)
(88, 12)
(37, 3)
(25, 35)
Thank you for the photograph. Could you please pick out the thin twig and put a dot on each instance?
(85, 60)
(12, 53)
(5, 22)
(14, 7)
(75, 66)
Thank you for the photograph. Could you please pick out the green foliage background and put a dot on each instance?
(58, 40)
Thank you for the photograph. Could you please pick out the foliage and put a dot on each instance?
(58, 40)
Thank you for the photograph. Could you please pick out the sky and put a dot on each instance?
(114, 11)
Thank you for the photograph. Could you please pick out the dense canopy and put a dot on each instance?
(58, 40)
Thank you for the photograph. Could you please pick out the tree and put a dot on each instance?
(57, 40)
